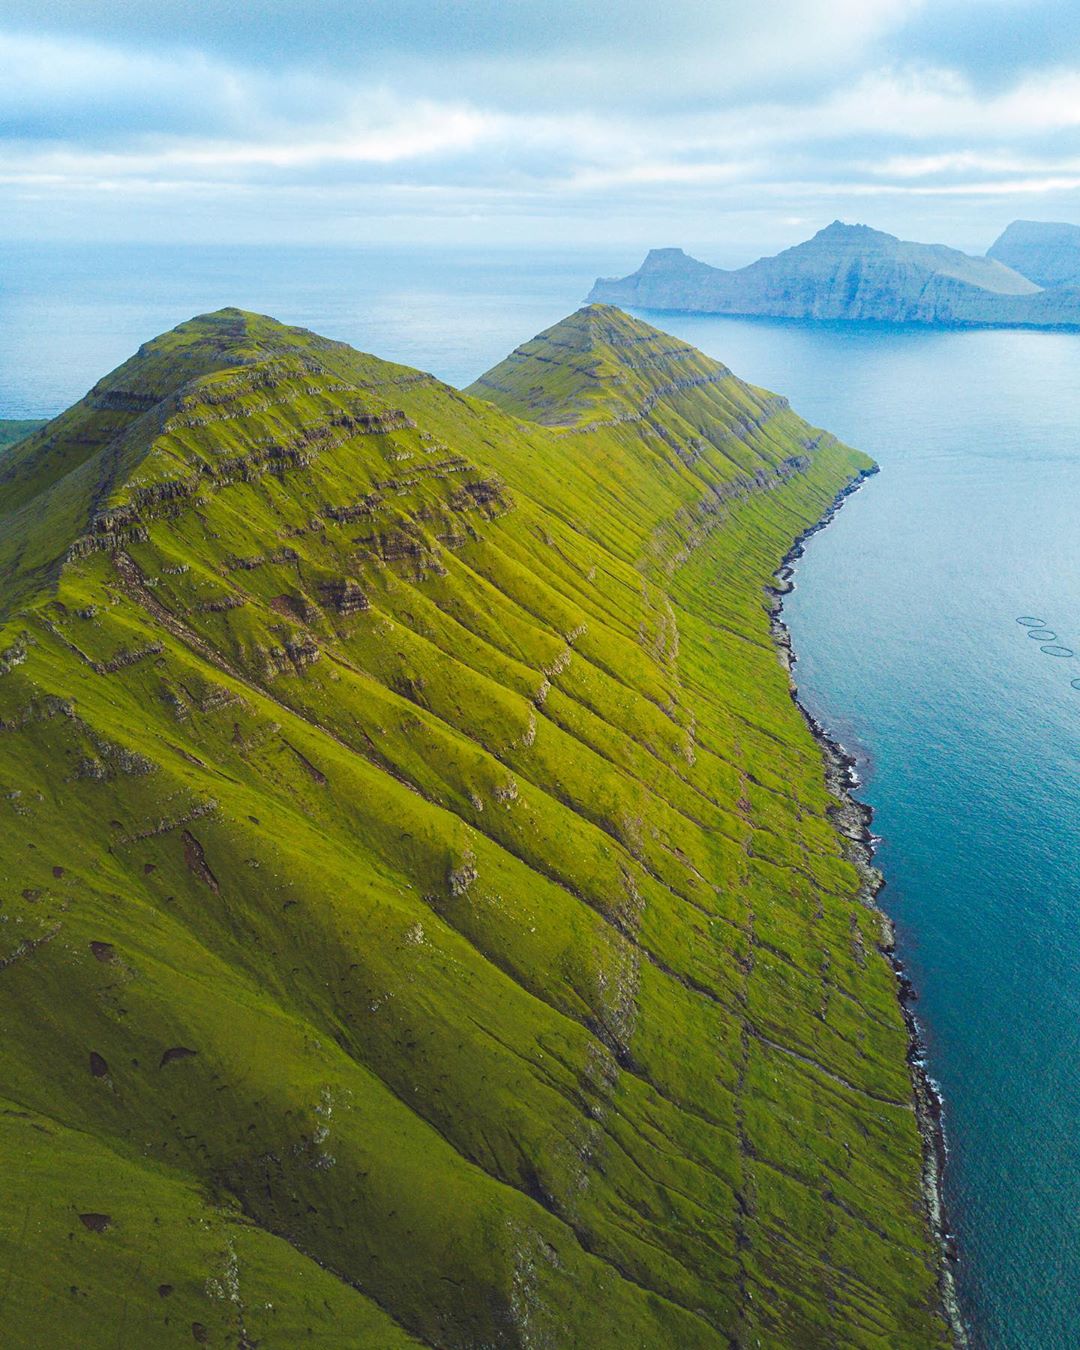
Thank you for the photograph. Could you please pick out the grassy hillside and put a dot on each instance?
(421, 919)
(14, 430)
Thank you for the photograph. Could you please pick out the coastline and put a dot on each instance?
(854, 819)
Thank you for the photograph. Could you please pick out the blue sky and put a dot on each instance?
(731, 128)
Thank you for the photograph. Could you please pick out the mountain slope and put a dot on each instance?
(14, 430)
(422, 918)
(1047, 253)
(846, 272)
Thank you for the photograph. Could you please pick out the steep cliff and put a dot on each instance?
(847, 272)
(423, 920)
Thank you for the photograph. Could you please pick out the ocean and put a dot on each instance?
(905, 620)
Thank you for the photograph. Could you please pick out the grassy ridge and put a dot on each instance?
(421, 920)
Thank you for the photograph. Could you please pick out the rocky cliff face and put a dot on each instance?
(423, 919)
(1045, 252)
(847, 272)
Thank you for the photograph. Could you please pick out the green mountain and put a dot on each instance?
(424, 917)
(1045, 252)
(13, 431)
(848, 272)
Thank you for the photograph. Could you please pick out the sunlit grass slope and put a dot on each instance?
(421, 921)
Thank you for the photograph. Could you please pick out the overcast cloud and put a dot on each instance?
(699, 122)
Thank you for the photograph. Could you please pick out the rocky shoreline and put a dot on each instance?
(854, 819)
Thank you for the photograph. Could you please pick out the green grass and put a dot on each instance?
(14, 430)
(530, 995)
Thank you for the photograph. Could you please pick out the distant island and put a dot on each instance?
(1046, 252)
(857, 273)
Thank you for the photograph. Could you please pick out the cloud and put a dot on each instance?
(514, 48)
(499, 109)
(87, 91)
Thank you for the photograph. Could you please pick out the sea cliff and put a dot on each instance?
(848, 272)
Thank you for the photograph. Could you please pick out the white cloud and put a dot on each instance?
(794, 102)
(47, 80)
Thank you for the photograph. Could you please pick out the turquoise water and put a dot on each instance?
(903, 618)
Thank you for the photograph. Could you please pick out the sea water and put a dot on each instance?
(904, 619)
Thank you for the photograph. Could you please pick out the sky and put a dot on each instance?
(731, 129)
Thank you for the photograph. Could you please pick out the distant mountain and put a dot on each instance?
(1044, 251)
(426, 919)
(847, 272)
(11, 432)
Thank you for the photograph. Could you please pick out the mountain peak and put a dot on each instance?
(855, 236)
(228, 336)
(597, 324)
(63, 484)
(609, 365)
(138, 390)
